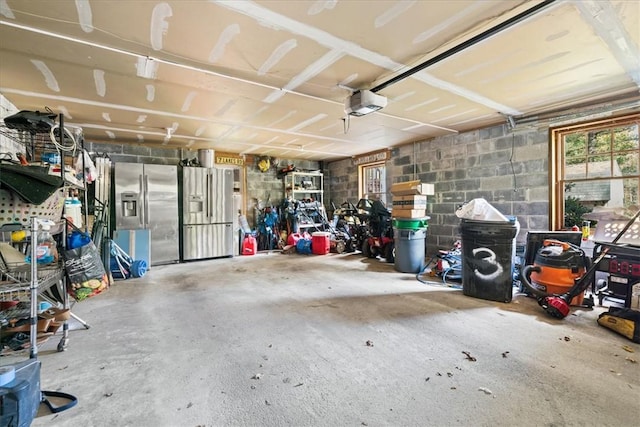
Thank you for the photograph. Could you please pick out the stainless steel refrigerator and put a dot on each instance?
(146, 198)
(207, 213)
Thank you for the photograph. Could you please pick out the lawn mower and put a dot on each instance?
(347, 222)
(378, 240)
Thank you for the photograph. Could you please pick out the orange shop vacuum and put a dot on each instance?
(558, 305)
(556, 268)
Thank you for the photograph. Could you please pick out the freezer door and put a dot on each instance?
(207, 241)
(221, 200)
(128, 183)
(195, 203)
(161, 212)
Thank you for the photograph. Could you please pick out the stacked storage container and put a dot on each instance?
(410, 223)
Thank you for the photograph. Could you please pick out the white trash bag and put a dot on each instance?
(480, 210)
(85, 168)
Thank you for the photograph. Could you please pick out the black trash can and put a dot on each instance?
(487, 259)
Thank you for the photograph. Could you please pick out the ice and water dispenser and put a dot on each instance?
(196, 204)
(129, 202)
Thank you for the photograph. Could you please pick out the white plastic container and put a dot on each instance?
(73, 211)
(206, 157)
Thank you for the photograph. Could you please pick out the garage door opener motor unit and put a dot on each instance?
(364, 102)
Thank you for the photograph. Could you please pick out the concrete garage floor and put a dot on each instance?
(275, 340)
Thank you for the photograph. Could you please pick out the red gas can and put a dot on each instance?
(249, 245)
(293, 238)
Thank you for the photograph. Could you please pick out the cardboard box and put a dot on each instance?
(410, 202)
(412, 187)
(409, 213)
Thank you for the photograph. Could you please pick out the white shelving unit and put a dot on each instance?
(306, 191)
(304, 186)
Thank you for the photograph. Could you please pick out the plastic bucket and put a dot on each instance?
(488, 259)
(206, 157)
(410, 248)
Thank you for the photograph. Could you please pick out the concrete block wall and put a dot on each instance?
(262, 187)
(341, 182)
(266, 188)
(508, 169)
(127, 153)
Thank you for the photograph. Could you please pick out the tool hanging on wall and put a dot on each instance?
(264, 164)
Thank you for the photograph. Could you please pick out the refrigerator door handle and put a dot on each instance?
(146, 201)
(206, 199)
(209, 196)
(140, 212)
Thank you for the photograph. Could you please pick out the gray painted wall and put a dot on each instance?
(508, 169)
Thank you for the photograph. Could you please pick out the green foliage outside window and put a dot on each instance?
(574, 212)
(618, 147)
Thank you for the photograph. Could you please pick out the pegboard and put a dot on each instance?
(14, 210)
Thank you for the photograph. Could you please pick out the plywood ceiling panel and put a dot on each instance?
(629, 14)
(426, 25)
(272, 76)
(536, 62)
